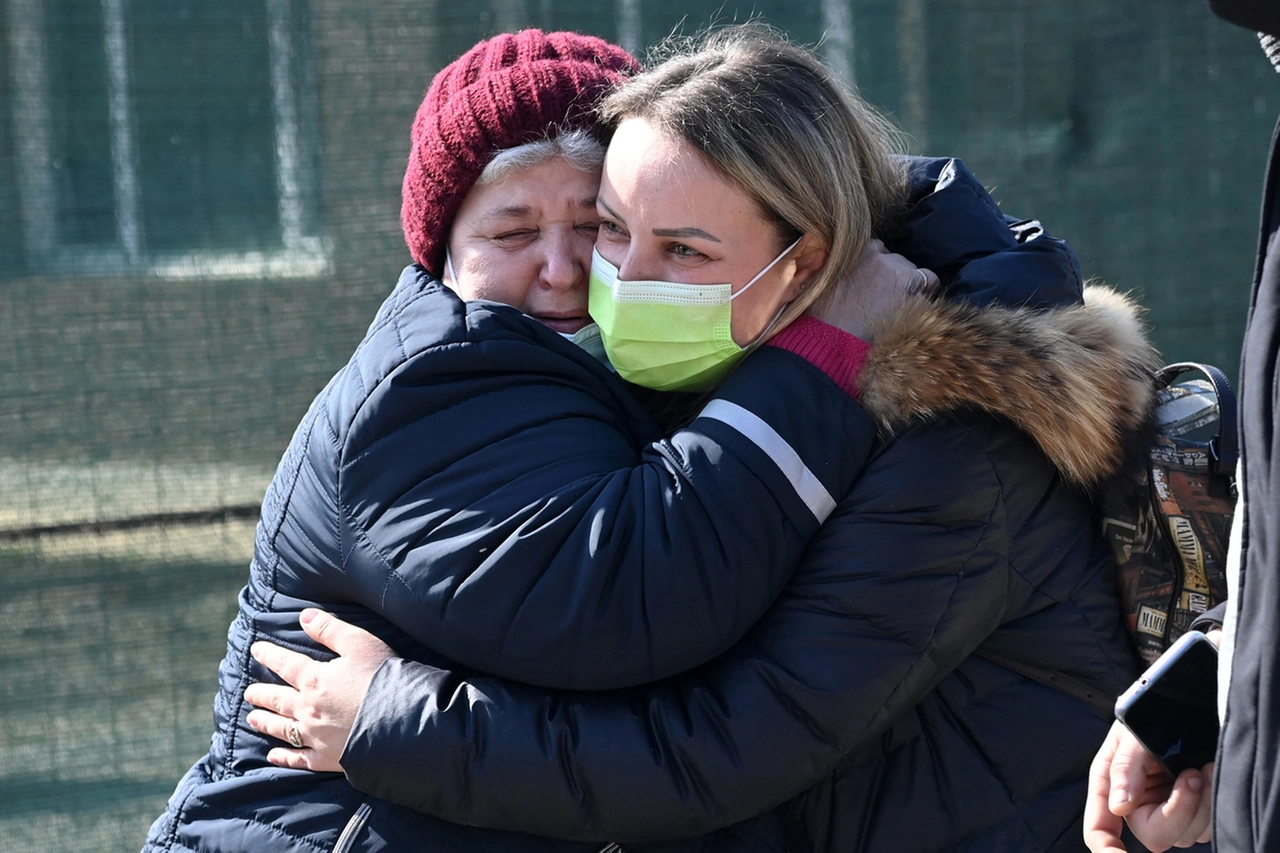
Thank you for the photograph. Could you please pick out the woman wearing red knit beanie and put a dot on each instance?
(475, 489)
(482, 497)
(479, 494)
(507, 91)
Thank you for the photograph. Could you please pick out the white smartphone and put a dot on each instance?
(1173, 708)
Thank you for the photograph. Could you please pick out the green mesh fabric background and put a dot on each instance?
(199, 215)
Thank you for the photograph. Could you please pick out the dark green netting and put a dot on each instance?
(199, 215)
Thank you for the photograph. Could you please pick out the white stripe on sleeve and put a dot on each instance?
(807, 486)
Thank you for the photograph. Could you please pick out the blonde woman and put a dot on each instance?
(866, 710)
(470, 471)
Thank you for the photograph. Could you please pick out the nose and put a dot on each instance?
(567, 262)
(635, 266)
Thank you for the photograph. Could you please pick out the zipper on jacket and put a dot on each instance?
(347, 840)
(611, 847)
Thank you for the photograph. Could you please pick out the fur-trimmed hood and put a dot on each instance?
(1078, 380)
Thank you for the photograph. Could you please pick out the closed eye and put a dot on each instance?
(516, 238)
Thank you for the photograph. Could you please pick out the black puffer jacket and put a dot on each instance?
(864, 701)
(863, 694)
(554, 537)
(475, 489)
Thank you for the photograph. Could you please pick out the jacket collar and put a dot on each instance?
(1077, 379)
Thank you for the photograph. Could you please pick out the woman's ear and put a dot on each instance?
(810, 258)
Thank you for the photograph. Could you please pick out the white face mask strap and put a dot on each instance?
(452, 277)
(772, 264)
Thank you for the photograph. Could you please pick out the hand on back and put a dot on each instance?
(315, 709)
(880, 284)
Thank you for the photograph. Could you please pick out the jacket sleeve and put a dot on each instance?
(502, 508)
(955, 228)
(903, 582)
(1214, 617)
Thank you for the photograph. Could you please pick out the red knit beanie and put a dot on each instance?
(506, 91)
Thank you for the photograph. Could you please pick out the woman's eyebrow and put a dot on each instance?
(508, 212)
(515, 211)
(664, 232)
(685, 232)
(600, 201)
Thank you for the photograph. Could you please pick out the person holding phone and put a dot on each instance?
(1128, 783)
(1234, 801)
(1173, 708)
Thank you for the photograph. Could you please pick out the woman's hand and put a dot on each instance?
(879, 285)
(315, 713)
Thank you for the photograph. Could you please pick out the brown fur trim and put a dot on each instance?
(1078, 380)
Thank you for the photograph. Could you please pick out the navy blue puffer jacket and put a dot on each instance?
(483, 496)
(864, 711)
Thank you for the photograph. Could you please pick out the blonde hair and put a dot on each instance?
(777, 123)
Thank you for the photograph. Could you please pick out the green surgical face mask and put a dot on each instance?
(667, 335)
(588, 339)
